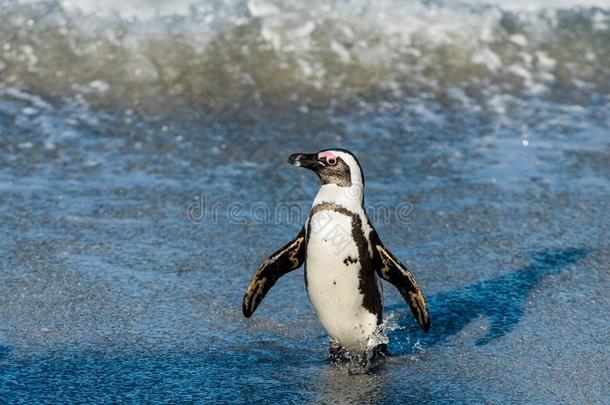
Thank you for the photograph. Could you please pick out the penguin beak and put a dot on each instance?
(307, 160)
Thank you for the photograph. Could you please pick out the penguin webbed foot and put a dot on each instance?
(367, 362)
(339, 354)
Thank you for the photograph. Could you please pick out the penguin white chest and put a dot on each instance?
(333, 280)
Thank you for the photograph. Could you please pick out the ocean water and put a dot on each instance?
(143, 179)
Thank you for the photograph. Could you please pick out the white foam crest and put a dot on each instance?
(203, 53)
(529, 5)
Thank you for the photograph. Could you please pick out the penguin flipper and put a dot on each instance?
(286, 259)
(393, 271)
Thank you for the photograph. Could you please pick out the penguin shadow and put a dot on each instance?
(501, 300)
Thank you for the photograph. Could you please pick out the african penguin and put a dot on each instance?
(343, 257)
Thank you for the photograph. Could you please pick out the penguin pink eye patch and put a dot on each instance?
(329, 157)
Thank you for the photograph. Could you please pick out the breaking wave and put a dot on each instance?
(207, 56)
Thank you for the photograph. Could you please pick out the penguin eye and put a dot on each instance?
(331, 161)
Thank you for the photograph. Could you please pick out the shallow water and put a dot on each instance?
(143, 179)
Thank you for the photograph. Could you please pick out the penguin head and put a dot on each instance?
(333, 166)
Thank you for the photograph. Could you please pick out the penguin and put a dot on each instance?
(344, 260)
